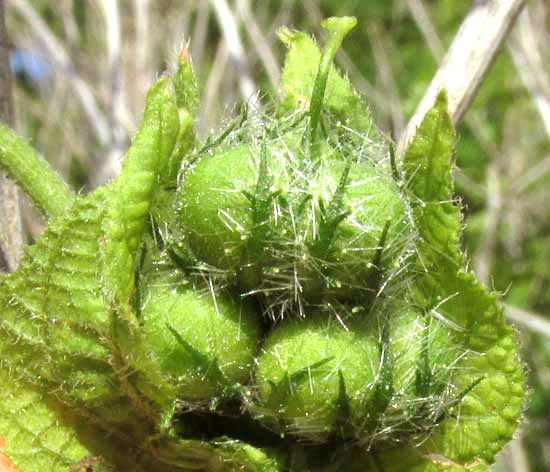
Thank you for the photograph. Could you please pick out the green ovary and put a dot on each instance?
(300, 373)
(204, 344)
(425, 354)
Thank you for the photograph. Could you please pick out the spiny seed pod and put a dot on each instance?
(373, 379)
(421, 355)
(354, 252)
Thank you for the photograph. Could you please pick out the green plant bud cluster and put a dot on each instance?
(309, 383)
(288, 296)
(275, 222)
(290, 210)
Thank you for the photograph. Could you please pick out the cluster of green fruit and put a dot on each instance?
(287, 293)
(305, 227)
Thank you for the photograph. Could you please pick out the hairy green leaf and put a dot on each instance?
(67, 317)
(489, 373)
(40, 434)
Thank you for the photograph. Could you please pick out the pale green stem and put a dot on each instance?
(34, 174)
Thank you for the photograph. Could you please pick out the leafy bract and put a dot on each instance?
(68, 328)
(489, 377)
(187, 102)
(132, 193)
(298, 80)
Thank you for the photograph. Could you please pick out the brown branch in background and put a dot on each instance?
(11, 235)
(526, 49)
(110, 166)
(427, 28)
(200, 32)
(510, 10)
(259, 41)
(230, 29)
(535, 322)
(468, 59)
(484, 258)
(211, 92)
(473, 120)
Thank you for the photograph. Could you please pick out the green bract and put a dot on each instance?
(288, 296)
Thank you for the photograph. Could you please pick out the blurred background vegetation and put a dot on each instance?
(82, 69)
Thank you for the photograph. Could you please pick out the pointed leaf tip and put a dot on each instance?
(184, 55)
(442, 100)
(340, 24)
(300, 74)
(428, 158)
(185, 84)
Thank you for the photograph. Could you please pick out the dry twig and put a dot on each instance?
(111, 165)
(532, 321)
(526, 48)
(11, 238)
(468, 59)
(228, 25)
(260, 43)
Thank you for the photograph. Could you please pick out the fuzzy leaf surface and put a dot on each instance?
(67, 323)
(37, 433)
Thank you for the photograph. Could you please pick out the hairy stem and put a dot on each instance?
(34, 174)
